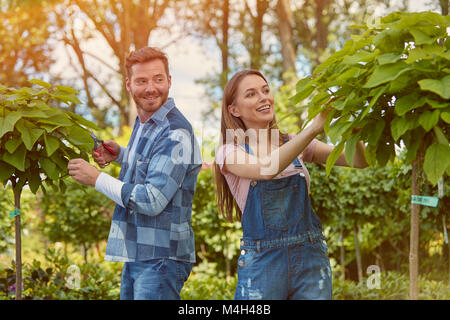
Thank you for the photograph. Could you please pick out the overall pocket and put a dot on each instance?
(246, 258)
(281, 207)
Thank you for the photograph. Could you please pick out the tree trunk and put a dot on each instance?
(321, 29)
(358, 253)
(224, 45)
(85, 252)
(256, 52)
(444, 6)
(18, 233)
(286, 38)
(414, 235)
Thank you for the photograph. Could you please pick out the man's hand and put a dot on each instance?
(103, 157)
(83, 172)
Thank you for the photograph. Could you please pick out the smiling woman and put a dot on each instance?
(283, 249)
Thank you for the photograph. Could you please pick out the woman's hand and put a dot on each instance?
(319, 120)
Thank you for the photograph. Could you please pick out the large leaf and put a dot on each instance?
(34, 180)
(350, 148)
(304, 89)
(12, 144)
(446, 116)
(49, 168)
(30, 134)
(6, 171)
(376, 131)
(334, 155)
(440, 136)
(429, 119)
(32, 113)
(337, 129)
(40, 83)
(7, 123)
(390, 57)
(421, 37)
(17, 159)
(384, 152)
(51, 144)
(58, 118)
(437, 160)
(408, 102)
(398, 127)
(79, 137)
(82, 121)
(440, 87)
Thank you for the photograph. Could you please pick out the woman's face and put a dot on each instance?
(254, 103)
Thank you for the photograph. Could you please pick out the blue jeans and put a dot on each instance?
(159, 279)
(295, 272)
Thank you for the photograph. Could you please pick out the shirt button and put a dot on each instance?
(243, 252)
(302, 174)
(254, 183)
(242, 243)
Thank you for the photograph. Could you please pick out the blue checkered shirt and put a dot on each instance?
(157, 193)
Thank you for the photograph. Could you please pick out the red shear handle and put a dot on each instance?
(109, 149)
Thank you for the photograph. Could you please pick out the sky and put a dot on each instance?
(189, 61)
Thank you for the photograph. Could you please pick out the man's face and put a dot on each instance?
(149, 86)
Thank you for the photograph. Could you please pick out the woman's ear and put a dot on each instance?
(233, 110)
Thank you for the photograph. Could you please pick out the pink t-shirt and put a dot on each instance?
(239, 186)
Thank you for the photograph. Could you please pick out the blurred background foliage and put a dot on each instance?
(365, 213)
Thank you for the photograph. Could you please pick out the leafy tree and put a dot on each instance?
(24, 46)
(37, 141)
(392, 81)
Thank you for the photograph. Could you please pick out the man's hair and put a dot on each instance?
(145, 54)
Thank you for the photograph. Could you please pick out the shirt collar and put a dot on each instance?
(162, 112)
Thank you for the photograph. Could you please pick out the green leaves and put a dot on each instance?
(38, 139)
(30, 133)
(385, 73)
(393, 81)
(429, 119)
(437, 160)
(440, 87)
(408, 102)
(7, 123)
(16, 159)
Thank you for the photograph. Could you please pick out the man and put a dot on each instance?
(150, 229)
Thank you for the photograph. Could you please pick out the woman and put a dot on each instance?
(283, 250)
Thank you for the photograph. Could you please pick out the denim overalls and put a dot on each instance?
(283, 251)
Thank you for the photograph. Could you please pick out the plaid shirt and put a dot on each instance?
(157, 193)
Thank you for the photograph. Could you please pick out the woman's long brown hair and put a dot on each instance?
(225, 200)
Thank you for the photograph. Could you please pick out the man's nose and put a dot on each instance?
(149, 87)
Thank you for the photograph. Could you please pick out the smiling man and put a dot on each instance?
(150, 229)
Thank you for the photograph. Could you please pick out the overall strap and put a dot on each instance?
(247, 149)
(296, 162)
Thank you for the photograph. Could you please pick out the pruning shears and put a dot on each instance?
(98, 142)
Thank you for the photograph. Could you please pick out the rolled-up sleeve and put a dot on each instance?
(164, 172)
